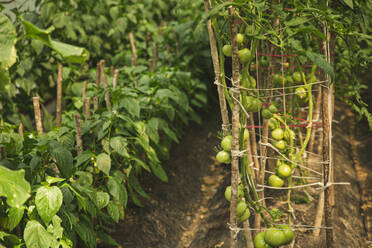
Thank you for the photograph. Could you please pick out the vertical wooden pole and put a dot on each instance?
(59, 96)
(235, 128)
(39, 124)
(155, 60)
(79, 139)
(217, 73)
(105, 84)
(327, 151)
(20, 130)
(95, 103)
(134, 51)
(98, 74)
(115, 80)
(87, 108)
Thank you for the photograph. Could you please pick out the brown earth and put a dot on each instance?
(190, 210)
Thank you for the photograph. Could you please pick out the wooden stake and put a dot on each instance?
(235, 129)
(134, 51)
(217, 73)
(83, 94)
(79, 139)
(98, 74)
(39, 124)
(105, 84)
(151, 65)
(87, 108)
(59, 96)
(95, 103)
(155, 60)
(20, 130)
(112, 71)
(115, 80)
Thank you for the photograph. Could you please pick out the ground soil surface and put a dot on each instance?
(190, 210)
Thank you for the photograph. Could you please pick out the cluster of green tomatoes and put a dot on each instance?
(244, 54)
(242, 211)
(274, 237)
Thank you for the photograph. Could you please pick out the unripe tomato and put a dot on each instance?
(311, 79)
(266, 114)
(277, 134)
(284, 171)
(239, 38)
(240, 208)
(245, 216)
(288, 233)
(298, 77)
(278, 79)
(301, 92)
(253, 104)
(228, 193)
(273, 109)
(244, 55)
(289, 134)
(259, 241)
(223, 157)
(227, 50)
(275, 181)
(274, 237)
(264, 61)
(226, 143)
(289, 80)
(280, 144)
(245, 134)
(252, 82)
(273, 123)
(286, 65)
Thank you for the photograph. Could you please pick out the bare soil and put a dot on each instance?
(190, 210)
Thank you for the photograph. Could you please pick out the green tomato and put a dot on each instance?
(277, 134)
(274, 237)
(259, 241)
(240, 208)
(288, 233)
(284, 171)
(264, 61)
(289, 80)
(273, 109)
(239, 38)
(226, 143)
(253, 104)
(273, 123)
(301, 92)
(245, 134)
(227, 50)
(280, 144)
(275, 181)
(289, 134)
(228, 193)
(311, 79)
(266, 114)
(278, 80)
(223, 157)
(244, 55)
(252, 82)
(245, 216)
(298, 77)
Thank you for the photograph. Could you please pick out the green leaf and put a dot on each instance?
(86, 233)
(70, 53)
(36, 236)
(349, 3)
(64, 161)
(119, 145)
(134, 183)
(104, 163)
(84, 178)
(83, 157)
(152, 129)
(8, 36)
(4, 80)
(51, 180)
(321, 62)
(132, 106)
(48, 201)
(56, 229)
(117, 190)
(14, 186)
(105, 238)
(15, 216)
(158, 171)
(102, 199)
(113, 211)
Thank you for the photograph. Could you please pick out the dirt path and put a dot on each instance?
(190, 211)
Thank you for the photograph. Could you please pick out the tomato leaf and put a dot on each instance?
(134, 183)
(104, 163)
(119, 145)
(113, 211)
(8, 35)
(64, 161)
(321, 62)
(102, 199)
(15, 216)
(349, 3)
(35, 235)
(48, 201)
(14, 186)
(117, 190)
